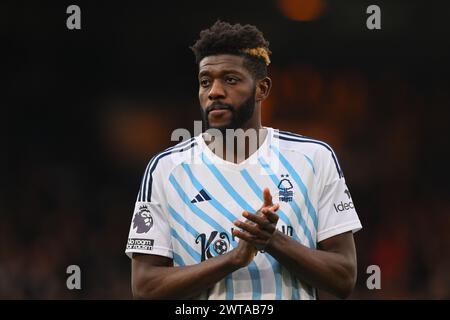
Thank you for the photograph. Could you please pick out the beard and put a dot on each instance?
(240, 114)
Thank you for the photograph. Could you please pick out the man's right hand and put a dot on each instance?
(243, 254)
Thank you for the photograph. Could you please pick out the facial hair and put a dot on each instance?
(240, 115)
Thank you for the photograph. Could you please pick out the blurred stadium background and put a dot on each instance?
(83, 112)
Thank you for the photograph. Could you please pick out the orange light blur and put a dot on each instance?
(302, 10)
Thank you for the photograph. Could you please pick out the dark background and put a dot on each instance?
(84, 110)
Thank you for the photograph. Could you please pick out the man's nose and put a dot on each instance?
(217, 91)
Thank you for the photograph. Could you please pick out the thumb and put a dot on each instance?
(267, 198)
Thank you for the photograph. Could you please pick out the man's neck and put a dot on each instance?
(238, 145)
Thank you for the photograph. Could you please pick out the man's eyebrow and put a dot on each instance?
(223, 71)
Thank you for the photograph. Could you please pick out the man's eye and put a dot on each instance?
(231, 80)
(204, 82)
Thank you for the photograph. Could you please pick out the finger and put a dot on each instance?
(249, 238)
(267, 198)
(257, 218)
(270, 215)
(275, 207)
(261, 221)
(244, 235)
(253, 230)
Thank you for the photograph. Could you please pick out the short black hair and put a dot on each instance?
(224, 38)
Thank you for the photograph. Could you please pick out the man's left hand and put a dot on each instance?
(259, 227)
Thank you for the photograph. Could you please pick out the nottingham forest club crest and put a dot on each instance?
(216, 244)
(142, 221)
(285, 189)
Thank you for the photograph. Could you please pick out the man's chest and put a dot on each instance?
(204, 203)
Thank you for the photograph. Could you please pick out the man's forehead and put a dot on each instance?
(222, 61)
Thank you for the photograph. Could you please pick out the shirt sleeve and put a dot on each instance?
(150, 229)
(336, 213)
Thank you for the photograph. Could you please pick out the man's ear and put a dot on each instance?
(263, 87)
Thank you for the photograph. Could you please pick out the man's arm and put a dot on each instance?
(332, 267)
(154, 277)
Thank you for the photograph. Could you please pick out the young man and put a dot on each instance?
(269, 221)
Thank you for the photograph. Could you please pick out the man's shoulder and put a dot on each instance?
(170, 157)
(301, 143)
(315, 151)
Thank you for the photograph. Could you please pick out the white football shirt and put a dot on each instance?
(189, 198)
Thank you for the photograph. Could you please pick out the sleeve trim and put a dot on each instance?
(156, 251)
(354, 226)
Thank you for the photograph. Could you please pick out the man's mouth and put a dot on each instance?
(218, 107)
(217, 110)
